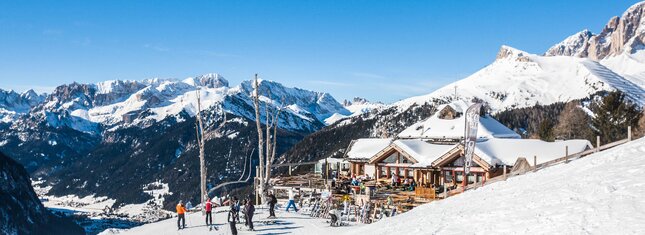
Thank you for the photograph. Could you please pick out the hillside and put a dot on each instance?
(21, 212)
(599, 194)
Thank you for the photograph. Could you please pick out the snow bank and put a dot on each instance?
(600, 194)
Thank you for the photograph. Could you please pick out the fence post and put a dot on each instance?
(504, 171)
(629, 133)
(290, 170)
(566, 154)
(534, 163)
(597, 143)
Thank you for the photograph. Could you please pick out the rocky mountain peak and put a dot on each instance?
(210, 80)
(510, 53)
(574, 45)
(355, 100)
(620, 34)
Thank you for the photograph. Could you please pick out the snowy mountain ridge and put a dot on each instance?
(581, 65)
(123, 103)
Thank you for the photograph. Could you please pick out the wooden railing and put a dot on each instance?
(425, 192)
(564, 159)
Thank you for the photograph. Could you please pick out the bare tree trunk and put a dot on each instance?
(268, 143)
(271, 152)
(258, 123)
(200, 142)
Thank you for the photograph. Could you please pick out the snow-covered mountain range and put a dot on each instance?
(117, 104)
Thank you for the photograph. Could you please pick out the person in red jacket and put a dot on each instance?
(209, 210)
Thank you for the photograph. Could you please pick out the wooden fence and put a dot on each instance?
(564, 159)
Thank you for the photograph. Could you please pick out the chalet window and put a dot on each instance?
(410, 173)
(392, 158)
(471, 178)
(383, 171)
(460, 176)
(447, 176)
(401, 172)
(480, 177)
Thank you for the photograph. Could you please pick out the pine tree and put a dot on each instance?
(573, 123)
(613, 115)
(640, 130)
(545, 130)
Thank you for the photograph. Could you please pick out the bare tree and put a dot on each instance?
(266, 154)
(199, 127)
(272, 122)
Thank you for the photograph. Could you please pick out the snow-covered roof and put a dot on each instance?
(438, 128)
(506, 151)
(425, 153)
(367, 147)
(332, 160)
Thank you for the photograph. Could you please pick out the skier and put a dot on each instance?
(181, 219)
(209, 209)
(249, 210)
(272, 202)
(189, 206)
(232, 215)
(236, 203)
(291, 201)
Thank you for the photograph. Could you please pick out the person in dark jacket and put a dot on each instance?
(272, 202)
(248, 213)
(232, 217)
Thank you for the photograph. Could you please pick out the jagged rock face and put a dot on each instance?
(356, 100)
(575, 45)
(20, 103)
(21, 212)
(621, 34)
(512, 54)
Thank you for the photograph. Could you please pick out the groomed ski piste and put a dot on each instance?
(599, 194)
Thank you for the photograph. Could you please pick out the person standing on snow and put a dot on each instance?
(181, 219)
(291, 201)
(233, 217)
(272, 202)
(249, 210)
(209, 212)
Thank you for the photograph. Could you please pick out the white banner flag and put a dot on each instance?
(470, 136)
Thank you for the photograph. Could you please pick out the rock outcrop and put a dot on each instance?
(621, 34)
(21, 212)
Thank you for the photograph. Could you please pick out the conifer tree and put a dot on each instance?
(613, 114)
(573, 123)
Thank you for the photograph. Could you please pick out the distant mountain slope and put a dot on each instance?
(21, 211)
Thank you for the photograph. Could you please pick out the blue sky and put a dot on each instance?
(380, 50)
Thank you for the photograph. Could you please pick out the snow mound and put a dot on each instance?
(599, 194)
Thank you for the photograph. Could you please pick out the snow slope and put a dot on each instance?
(286, 223)
(520, 79)
(600, 194)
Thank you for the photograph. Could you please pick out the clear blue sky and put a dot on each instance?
(381, 50)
